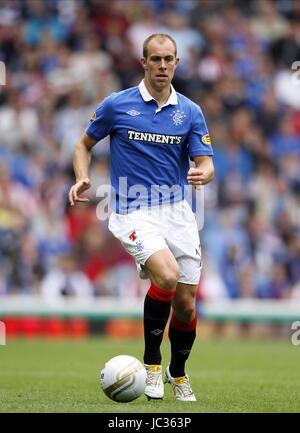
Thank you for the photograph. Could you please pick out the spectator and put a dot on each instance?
(65, 280)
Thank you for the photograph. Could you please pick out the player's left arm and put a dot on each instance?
(204, 171)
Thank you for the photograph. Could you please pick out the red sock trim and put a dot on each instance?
(159, 294)
(181, 326)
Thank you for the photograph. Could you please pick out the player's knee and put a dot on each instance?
(187, 314)
(168, 279)
(185, 309)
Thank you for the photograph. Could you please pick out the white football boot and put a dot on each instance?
(181, 387)
(154, 383)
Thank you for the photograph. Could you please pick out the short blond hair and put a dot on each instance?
(161, 36)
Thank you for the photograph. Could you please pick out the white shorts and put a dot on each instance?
(148, 230)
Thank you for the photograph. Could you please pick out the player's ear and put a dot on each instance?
(143, 63)
(177, 60)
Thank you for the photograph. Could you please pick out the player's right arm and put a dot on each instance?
(81, 163)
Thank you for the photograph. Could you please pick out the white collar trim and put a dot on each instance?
(147, 97)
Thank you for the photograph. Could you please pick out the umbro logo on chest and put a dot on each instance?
(133, 113)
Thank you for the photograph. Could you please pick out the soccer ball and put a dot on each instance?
(123, 378)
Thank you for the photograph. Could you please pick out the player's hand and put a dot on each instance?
(77, 189)
(196, 177)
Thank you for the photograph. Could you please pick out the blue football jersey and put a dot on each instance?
(150, 147)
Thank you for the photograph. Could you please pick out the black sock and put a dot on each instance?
(181, 345)
(156, 315)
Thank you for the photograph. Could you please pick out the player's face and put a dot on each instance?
(160, 63)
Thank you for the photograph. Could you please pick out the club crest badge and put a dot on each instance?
(139, 246)
(178, 117)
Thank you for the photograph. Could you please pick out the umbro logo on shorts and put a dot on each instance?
(132, 236)
(156, 331)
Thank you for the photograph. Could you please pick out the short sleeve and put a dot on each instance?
(101, 122)
(199, 139)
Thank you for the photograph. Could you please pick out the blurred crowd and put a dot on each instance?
(63, 57)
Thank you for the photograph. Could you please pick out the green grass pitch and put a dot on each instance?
(226, 375)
